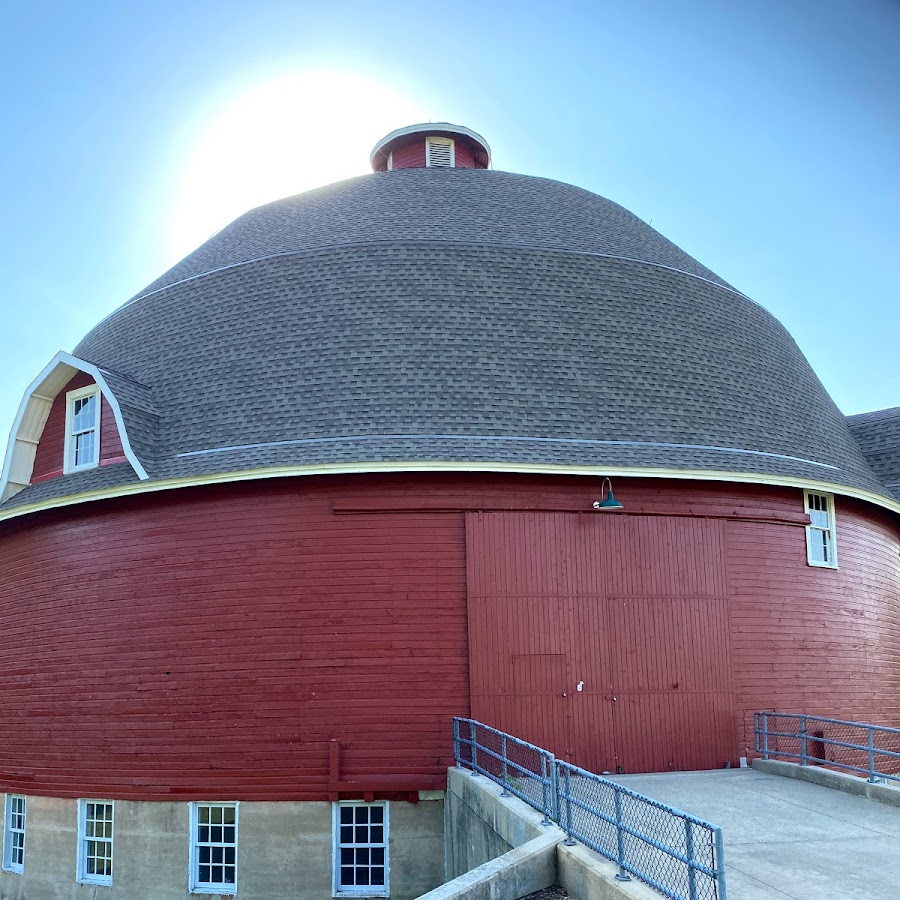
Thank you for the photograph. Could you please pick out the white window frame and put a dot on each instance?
(82, 875)
(210, 887)
(8, 865)
(814, 533)
(339, 890)
(442, 140)
(69, 453)
(390, 161)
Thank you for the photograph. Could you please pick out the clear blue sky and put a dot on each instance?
(762, 137)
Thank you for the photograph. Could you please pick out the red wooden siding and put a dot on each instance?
(411, 155)
(817, 640)
(48, 460)
(213, 642)
(632, 609)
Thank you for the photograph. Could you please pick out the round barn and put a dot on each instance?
(436, 441)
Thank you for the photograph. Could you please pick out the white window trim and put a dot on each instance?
(363, 890)
(813, 531)
(82, 876)
(390, 161)
(8, 865)
(199, 887)
(443, 140)
(69, 457)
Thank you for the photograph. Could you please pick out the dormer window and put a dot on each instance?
(82, 429)
(440, 152)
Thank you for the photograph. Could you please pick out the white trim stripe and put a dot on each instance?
(439, 466)
(500, 438)
(492, 245)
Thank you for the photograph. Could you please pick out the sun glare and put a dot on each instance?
(279, 138)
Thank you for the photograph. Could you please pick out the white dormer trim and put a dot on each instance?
(28, 426)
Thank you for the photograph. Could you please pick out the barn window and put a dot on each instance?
(214, 848)
(82, 429)
(440, 152)
(95, 841)
(820, 543)
(14, 834)
(361, 849)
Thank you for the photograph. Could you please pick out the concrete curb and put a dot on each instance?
(587, 876)
(522, 871)
(839, 781)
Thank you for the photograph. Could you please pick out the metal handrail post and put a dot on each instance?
(621, 875)
(554, 789)
(504, 792)
(720, 864)
(802, 740)
(871, 734)
(545, 790)
(457, 750)
(765, 730)
(689, 852)
(569, 841)
(474, 735)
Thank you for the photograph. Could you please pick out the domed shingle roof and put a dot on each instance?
(435, 316)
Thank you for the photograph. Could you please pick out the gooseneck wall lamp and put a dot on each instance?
(608, 502)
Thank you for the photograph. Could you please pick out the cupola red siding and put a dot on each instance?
(410, 154)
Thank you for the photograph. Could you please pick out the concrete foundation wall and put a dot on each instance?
(284, 852)
(477, 827)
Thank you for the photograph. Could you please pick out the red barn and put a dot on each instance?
(333, 479)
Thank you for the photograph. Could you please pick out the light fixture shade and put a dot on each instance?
(610, 502)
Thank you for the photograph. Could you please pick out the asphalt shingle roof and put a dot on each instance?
(460, 316)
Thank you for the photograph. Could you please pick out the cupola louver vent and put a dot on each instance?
(439, 152)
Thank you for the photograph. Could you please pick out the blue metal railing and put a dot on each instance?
(677, 854)
(870, 750)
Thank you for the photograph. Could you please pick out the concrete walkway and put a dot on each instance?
(787, 838)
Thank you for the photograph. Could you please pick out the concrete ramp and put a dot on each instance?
(788, 838)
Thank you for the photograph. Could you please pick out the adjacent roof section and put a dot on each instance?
(878, 435)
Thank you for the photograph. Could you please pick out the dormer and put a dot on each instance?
(69, 421)
(435, 145)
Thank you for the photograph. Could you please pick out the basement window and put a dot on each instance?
(14, 834)
(82, 449)
(213, 848)
(820, 543)
(361, 849)
(440, 152)
(95, 841)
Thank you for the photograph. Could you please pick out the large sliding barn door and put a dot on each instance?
(602, 638)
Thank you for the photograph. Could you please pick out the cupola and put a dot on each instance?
(431, 145)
